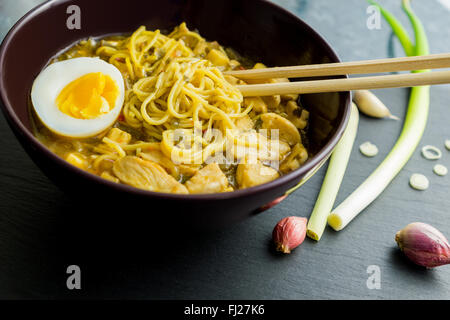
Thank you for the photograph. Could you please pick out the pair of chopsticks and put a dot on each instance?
(434, 61)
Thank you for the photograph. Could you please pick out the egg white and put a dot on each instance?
(53, 79)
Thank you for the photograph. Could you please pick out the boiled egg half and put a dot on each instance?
(78, 98)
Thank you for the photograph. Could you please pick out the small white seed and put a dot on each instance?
(440, 170)
(431, 152)
(419, 181)
(447, 144)
(368, 149)
(370, 105)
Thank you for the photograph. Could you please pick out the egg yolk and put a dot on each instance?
(89, 96)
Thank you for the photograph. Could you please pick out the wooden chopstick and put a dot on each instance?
(433, 61)
(335, 85)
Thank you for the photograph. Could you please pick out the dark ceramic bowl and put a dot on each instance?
(257, 29)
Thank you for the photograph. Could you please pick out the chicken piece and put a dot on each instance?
(209, 179)
(244, 123)
(287, 131)
(259, 105)
(188, 170)
(78, 160)
(119, 136)
(242, 145)
(108, 176)
(249, 175)
(254, 145)
(175, 170)
(217, 58)
(296, 115)
(146, 175)
(273, 150)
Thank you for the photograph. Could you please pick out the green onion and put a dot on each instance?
(413, 128)
(440, 170)
(398, 29)
(419, 182)
(333, 178)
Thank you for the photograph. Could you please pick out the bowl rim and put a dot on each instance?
(15, 123)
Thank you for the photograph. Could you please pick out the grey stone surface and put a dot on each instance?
(238, 263)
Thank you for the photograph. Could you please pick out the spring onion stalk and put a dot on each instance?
(333, 178)
(440, 170)
(419, 182)
(447, 144)
(413, 128)
(398, 29)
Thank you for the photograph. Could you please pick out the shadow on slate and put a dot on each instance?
(403, 264)
(109, 246)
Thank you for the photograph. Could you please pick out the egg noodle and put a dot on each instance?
(171, 88)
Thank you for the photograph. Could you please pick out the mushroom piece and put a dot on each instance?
(287, 130)
(209, 179)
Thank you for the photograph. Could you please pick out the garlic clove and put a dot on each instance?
(424, 245)
(289, 233)
(369, 104)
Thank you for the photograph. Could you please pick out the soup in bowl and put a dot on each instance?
(139, 109)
